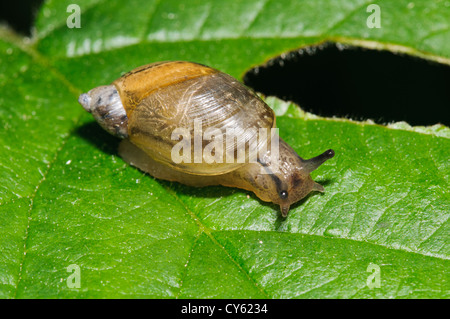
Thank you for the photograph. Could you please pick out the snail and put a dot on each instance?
(146, 106)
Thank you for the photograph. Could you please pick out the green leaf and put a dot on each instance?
(66, 198)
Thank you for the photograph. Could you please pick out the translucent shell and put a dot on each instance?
(161, 97)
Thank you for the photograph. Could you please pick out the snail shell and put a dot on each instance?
(147, 105)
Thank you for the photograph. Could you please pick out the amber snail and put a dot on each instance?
(145, 106)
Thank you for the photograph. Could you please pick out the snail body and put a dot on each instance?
(152, 106)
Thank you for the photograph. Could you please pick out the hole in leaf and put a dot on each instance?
(332, 79)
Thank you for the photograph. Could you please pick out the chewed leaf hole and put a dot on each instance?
(332, 79)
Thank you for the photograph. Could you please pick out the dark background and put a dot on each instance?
(353, 82)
